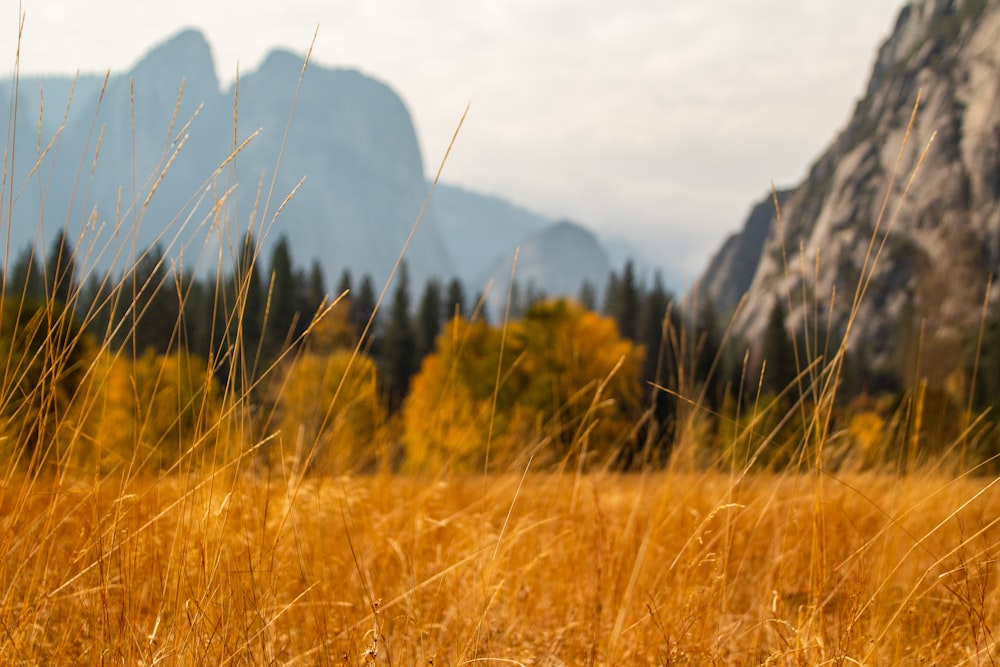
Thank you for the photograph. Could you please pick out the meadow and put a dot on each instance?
(168, 508)
(658, 568)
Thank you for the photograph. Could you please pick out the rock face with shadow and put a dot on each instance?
(923, 252)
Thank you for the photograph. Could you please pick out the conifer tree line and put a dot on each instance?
(263, 308)
(153, 306)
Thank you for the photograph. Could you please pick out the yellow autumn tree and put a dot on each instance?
(446, 417)
(328, 412)
(156, 413)
(568, 386)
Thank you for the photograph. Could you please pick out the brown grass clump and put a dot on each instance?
(605, 569)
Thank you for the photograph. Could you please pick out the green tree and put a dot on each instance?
(658, 323)
(95, 305)
(25, 278)
(429, 318)
(363, 311)
(315, 288)
(455, 300)
(611, 290)
(60, 269)
(398, 350)
(709, 366)
(249, 297)
(588, 296)
(653, 333)
(344, 285)
(147, 309)
(197, 315)
(622, 299)
(45, 358)
(284, 303)
(515, 302)
(777, 352)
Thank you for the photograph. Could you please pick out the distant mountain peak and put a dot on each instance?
(185, 55)
(281, 61)
(187, 47)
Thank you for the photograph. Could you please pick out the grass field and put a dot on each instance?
(543, 570)
(144, 521)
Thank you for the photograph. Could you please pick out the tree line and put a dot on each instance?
(268, 318)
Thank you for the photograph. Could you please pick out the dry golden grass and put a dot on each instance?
(604, 569)
(249, 564)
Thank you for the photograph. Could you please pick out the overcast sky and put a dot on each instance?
(660, 121)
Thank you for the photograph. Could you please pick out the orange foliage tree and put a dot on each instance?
(568, 386)
(157, 412)
(328, 412)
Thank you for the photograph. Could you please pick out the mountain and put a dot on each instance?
(733, 266)
(150, 157)
(350, 143)
(477, 228)
(936, 243)
(555, 260)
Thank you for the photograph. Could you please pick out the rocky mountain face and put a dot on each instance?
(732, 268)
(923, 252)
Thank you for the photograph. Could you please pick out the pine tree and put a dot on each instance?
(621, 301)
(315, 289)
(611, 290)
(398, 349)
(588, 296)
(284, 305)
(250, 296)
(429, 318)
(197, 316)
(60, 269)
(363, 308)
(659, 368)
(709, 367)
(344, 285)
(515, 306)
(629, 296)
(95, 305)
(777, 352)
(455, 301)
(148, 305)
(987, 387)
(26, 277)
(656, 304)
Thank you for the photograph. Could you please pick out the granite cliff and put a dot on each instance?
(926, 251)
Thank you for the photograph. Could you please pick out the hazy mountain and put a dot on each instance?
(621, 250)
(478, 229)
(59, 91)
(555, 260)
(351, 139)
(155, 156)
(941, 239)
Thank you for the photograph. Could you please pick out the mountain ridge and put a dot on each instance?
(350, 154)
